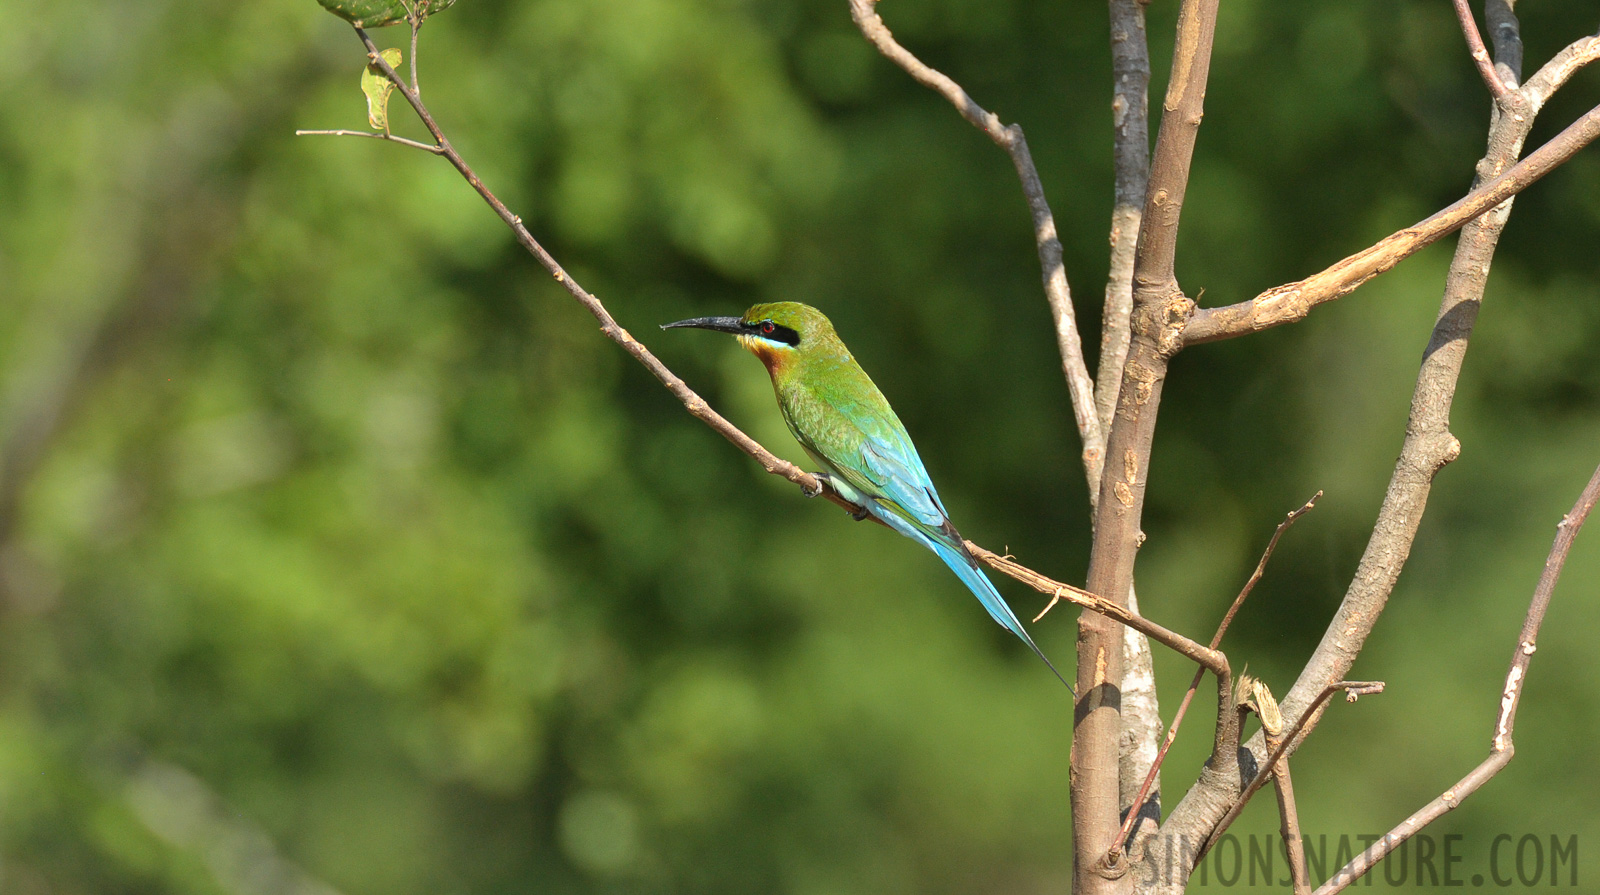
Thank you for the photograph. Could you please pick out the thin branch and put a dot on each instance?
(1501, 746)
(1048, 242)
(1183, 109)
(1261, 565)
(1216, 641)
(1429, 445)
(1292, 302)
(1289, 819)
(1553, 75)
(1307, 721)
(1208, 657)
(415, 21)
(1161, 754)
(1255, 697)
(374, 135)
(1480, 54)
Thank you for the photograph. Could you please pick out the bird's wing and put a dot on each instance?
(902, 481)
(886, 464)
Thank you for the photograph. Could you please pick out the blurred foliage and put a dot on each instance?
(357, 550)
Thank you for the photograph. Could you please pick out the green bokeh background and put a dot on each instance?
(360, 560)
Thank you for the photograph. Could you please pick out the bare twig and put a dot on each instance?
(1428, 446)
(415, 21)
(1501, 747)
(1307, 721)
(373, 134)
(1261, 565)
(1480, 54)
(1292, 302)
(1255, 697)
(1289, 818)
(1553, 75)
(1216, 641)
(1010, 138)
(1209, 658)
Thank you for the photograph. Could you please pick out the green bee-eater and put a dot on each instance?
(843, 421)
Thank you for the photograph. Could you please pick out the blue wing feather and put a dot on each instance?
(901, 477)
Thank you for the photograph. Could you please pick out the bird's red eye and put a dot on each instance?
(767, 327)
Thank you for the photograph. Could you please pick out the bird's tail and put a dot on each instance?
(966, 568)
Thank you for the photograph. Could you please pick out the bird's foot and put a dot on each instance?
(825, 480)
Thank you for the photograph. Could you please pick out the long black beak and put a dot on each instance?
(720, 324)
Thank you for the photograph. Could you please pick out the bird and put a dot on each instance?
(845, 424)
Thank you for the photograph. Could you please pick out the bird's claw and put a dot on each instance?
(826, 481)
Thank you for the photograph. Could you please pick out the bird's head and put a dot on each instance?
(777, 332)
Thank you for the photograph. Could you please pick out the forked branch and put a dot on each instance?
(1292, 302)
(1302, 728)
(1216, 641)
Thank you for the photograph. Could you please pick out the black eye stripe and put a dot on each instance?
(776, 332)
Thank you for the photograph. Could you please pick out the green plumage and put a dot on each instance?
(831, 405)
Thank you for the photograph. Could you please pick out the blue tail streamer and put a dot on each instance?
(967, 570)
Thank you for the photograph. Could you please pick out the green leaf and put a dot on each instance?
(427, 8)
(377, 86)
(377, 13)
